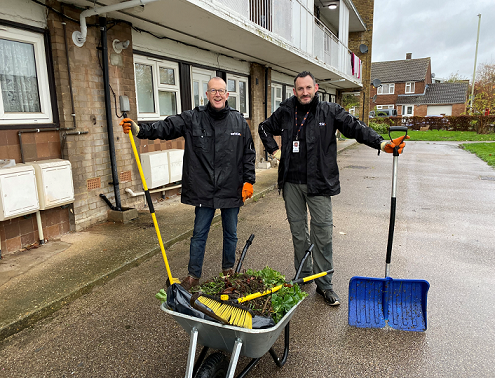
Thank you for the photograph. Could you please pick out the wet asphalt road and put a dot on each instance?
(444, 234)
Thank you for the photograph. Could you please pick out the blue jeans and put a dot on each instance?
(202, 223)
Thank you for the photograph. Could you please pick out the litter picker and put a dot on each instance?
(378, 302)
(171, 280)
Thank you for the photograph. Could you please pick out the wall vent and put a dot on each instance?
(93, 183)
(125, 176)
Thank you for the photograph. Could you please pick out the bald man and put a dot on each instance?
(218, 169)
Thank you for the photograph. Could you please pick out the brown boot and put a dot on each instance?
(189, 282)
(228, 272)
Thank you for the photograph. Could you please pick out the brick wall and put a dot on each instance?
(257, 100)
(365, 9)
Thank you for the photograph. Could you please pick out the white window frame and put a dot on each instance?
(404, 107)
(410, 87)
(289, 91)
(390, 87)
(157, 87)
(381, 107)
(274, 98)
(46, 113)
(236, 94)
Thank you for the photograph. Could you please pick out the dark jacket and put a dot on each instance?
(219, 155)
(321, 142)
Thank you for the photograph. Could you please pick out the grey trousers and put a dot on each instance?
(320, 234)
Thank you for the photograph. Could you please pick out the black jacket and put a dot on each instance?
(219, 155)
(321, 143)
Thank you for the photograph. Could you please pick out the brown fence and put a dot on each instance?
(478, 123)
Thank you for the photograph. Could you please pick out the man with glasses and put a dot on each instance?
(308, 174)
(218, 169)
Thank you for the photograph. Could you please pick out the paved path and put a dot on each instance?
(444, 234)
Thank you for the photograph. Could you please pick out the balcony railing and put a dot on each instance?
(293, 21)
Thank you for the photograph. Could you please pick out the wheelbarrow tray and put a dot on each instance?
(255, 342)
(378, 302)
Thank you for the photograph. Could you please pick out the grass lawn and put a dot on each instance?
(442, 135)
(485, 151)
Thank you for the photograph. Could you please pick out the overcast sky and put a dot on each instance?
(444, 30)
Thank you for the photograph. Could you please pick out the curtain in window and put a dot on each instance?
(18, 79)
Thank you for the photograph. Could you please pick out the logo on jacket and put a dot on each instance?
(322, 124)
(239, 134)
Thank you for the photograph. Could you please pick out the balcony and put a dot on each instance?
(282, 34)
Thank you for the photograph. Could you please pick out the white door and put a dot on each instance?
(200, 80)
(439, 110)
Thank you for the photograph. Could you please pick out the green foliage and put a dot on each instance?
(380, 128)
(349, 101)
(284, 299)
(269, 276)
(485, 151)
(161, 295)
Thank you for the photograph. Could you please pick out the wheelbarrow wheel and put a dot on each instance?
(214, 366)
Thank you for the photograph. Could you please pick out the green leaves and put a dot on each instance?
(269, 276)
(284, 299)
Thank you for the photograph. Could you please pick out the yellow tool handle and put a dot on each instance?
(259, 294)
(276, 288)
(140, 168)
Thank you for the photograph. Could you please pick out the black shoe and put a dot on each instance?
(329, 296)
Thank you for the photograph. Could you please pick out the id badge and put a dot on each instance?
(295, 146)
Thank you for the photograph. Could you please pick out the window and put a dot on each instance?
(24, 86)
(386, 89)
(410, 87)
(237, 86)
(379, 107)
(157, 88)
(276, 96)
(407, 110)
(289, 91)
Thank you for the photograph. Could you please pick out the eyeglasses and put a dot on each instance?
(221, 92)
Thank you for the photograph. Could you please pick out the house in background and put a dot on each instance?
(66, 63)
(407, 86)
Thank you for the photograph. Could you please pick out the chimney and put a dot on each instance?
(408, 55)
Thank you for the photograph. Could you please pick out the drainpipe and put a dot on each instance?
(79, 37)
(266, 103)
(108, 111)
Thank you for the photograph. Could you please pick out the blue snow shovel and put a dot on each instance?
(378, 302)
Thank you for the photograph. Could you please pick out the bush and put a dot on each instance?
(380, 128)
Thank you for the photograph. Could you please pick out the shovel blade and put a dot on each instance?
(378, 302)
(407, 304)
(366, 302)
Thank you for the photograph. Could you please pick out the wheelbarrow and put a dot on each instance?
(251, 343)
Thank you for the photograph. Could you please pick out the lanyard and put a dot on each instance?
(302, 124)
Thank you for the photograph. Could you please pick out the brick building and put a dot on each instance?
(406, 85)
(77, 59)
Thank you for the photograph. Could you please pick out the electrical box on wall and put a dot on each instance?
(155, 168)
(54, 182)
(18, 192)
(175, 157)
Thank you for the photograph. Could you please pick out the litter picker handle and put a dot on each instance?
(308, 252)
(243, 254)
(150, 206)
(393, 203)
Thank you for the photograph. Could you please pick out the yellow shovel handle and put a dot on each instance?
(140, 168)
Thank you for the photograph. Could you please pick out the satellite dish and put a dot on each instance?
(376, 83)
(432, 75)
(363, 49)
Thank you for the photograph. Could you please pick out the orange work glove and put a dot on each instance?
(128, 125)
(388, 146)
(247, 191)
